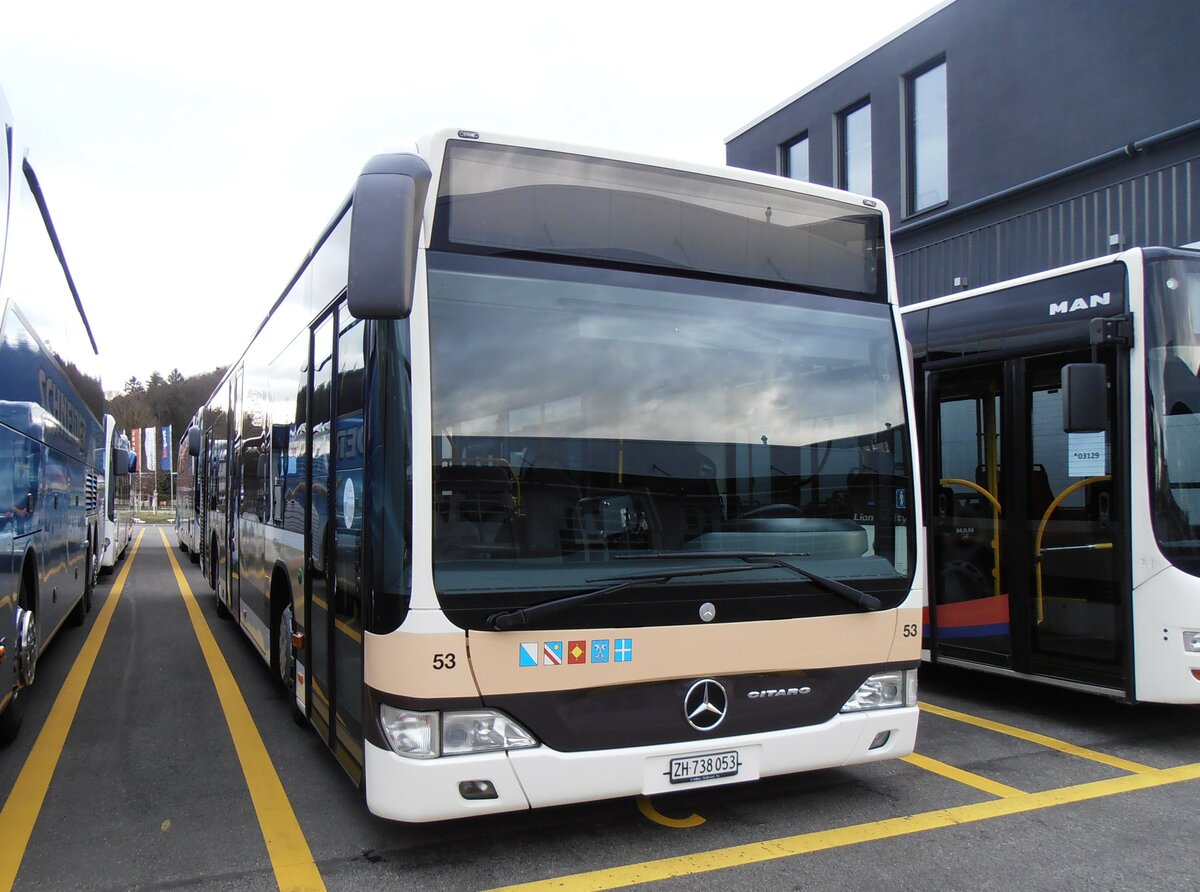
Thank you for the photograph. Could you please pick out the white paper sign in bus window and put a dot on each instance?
(1086, 454)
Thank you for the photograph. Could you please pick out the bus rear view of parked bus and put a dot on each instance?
(557, 475)
(51, 436)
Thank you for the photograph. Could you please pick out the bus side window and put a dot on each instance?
(7, 495)
(279, 470)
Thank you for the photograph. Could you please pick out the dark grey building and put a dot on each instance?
(1007, 136)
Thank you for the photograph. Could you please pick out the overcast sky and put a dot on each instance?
(191, 153)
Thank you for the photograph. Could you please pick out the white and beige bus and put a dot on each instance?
(556, 475)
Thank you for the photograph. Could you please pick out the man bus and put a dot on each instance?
(1062, 452)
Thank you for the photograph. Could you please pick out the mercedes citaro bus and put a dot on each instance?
(556, 475)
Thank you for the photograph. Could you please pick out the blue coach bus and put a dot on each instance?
(51, 436)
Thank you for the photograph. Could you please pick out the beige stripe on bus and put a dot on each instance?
(416, 665)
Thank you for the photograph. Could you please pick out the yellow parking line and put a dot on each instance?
(1040, 739)
(25, 799)
(977, 781)
(787, 847)
(291, 858)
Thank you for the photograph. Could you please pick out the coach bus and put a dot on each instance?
(187, 503)
(51, 437)
(118, 498)
(1061, 445)
(556, 475)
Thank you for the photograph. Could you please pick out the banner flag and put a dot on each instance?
(166, 464)
(151, 450)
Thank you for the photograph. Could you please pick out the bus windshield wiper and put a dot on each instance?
(511, 619)
(857, 597)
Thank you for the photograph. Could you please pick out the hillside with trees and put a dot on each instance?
(156, 403)
(161, 401)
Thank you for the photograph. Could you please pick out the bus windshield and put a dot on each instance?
(1173, 363)
(509, 201)
(590, 424)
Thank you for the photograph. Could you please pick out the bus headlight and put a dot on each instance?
(1191, 642)
(409, 733)
(482, 732)
(428, 735)
(885, 690)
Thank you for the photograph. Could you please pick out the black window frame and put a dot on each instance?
(840, 155)
(785, 157)
(909, 143)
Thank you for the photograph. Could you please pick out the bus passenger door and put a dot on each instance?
(335, 536)
(346, 541)
(233, 508)
(1028, 546)
(969, 584)
(1074, 532)
(319, 562)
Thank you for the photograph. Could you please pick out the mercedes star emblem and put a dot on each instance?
(705, 704)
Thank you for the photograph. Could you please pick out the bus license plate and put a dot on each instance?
(689, 769)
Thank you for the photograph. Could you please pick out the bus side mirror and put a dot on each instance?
(385, 223)
(120, 460)
(1084, 397)
(193, 440)
(133, 462)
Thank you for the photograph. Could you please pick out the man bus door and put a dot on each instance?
(1028, 569)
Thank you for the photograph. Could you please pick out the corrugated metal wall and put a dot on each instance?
(1158, 208)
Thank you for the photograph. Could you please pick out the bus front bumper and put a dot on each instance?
(414, 790)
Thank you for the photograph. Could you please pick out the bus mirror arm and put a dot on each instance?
(385, 225)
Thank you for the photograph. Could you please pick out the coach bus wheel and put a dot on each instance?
(222, 610)
(26, 656)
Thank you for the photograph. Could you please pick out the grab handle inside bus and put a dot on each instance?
(385, 223)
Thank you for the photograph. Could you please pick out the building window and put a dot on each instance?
(927, 139)
(793, 158)
(854, 148)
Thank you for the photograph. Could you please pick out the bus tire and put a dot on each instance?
(26, 656)
(78, 612)
(283, 657)
(222, 611)
(93, 563)
(12, 717)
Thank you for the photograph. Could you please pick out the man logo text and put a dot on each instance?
(1081, 303)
